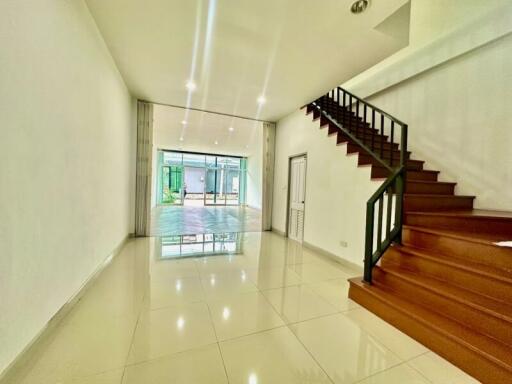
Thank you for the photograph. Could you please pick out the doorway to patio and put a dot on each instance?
(197, 179)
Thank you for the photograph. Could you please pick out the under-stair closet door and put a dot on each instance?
(297, 192)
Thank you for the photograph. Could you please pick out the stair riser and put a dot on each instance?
(431, 189)
(477, 225)
(354, 148)
(437, 203)
(367, 159)
(422, 176)
(468, 316)
(366, 140)
(473, 281)
(379, 173)
(466, 359)
(441, 246)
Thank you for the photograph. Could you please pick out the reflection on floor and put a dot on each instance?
(203, 244)
(178, 220)
(274, 313)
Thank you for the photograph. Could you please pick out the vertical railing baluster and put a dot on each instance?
(350, 109)
(344, 102)
(381, 135)
(357, 117)
(388, 211)
(337, 106)
(401, 182)
(373, 129)
(392, 139)
(379, 224)
(368, 249)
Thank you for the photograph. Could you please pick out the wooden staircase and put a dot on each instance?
(448, 284)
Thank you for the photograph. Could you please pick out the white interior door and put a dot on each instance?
(297, 191)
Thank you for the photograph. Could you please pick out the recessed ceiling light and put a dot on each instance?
(181, 138)
(262, 100)
(184, 122)
(247, 146)
(359, 6)
(191, 86)
(216, 142)
(231, 129)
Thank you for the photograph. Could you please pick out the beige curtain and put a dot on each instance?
(269, 138)
(144, 153)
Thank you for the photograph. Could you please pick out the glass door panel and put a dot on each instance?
(172, 178)
(214, 187)
(232, 186)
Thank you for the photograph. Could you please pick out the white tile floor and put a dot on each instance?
(277, 313)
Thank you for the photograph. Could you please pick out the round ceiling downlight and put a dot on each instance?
(359, 6)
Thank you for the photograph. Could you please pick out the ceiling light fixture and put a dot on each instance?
(359, 6)
(261, 100)
(184, 122)
(181, 138)
(231, 129)
(216, 142)
(191, 86)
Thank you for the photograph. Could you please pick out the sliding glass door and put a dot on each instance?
(214, 187)
(193, 178)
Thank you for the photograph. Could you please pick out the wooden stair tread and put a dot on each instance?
(474, 214)
(459, 263)
(444, 288)
(483, 345)
(480, 237)
(428, 182)
(437, 196)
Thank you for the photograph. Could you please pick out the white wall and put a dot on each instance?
(432, 18)
(66, 161)
(460, 122)
(336, 189)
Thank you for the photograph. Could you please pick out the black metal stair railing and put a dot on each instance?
(373, 130)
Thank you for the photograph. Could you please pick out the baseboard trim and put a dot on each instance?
(10, 372)
(279, 232)
(333, 257)
(329, 255)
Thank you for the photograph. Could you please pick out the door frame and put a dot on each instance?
(290, 158)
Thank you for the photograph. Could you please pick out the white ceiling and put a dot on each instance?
(203, 129)
(291, 51)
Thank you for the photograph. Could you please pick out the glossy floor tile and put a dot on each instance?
(174, 291)
(298, 303)
(169, 330)
(396, 341)
(242, 315)
(267, 278)
(439, 371)
(266, 311)
(400, 374)
(110, 377)
(335, 292)
(200, 366)
(274, 356)
(346, 352)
